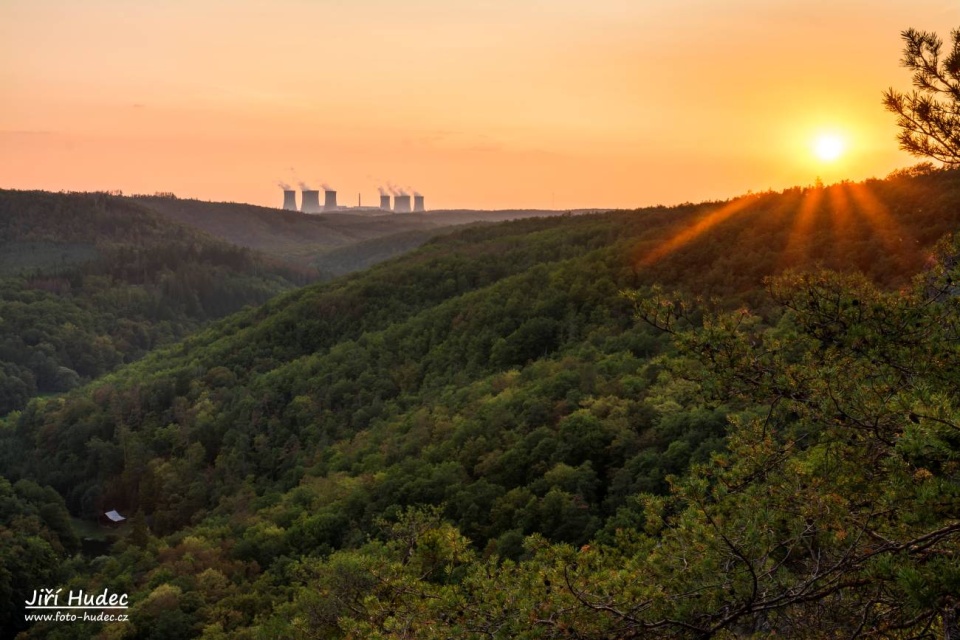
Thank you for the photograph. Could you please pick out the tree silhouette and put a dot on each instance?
(929, 117)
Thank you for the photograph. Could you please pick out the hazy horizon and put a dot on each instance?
(530, 104)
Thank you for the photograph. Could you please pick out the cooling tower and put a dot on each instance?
(329, 200)
(289, 199)
(385, 203)
(418, 203)
(401, 204)
(310, 202)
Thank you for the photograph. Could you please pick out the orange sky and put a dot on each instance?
(496, 104)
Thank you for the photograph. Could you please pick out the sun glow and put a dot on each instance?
(828, 147)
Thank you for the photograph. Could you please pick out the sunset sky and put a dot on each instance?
(497, 104)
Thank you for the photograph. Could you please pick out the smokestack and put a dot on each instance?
(401, 204)
(329, 200)
(418, 202)
(385, 202)
(310, 201)
(289, 199)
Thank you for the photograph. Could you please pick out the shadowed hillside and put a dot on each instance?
(89, 282)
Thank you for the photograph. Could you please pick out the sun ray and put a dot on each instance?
(700, 227)
(893, 237)
(842, 221)
(798, 243)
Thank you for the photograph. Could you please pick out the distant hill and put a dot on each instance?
(388, 452)
(90, 281)
(366, 253)
(325, 240)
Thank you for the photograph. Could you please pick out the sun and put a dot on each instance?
(828, 147)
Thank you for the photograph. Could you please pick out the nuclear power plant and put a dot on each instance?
(329, 200)
(289, 199)
(310, 201)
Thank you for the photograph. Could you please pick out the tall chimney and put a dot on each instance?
(310, 201)
(289, 199)
(401, 204)
(385, 202)
(418, 202)
(329, 200)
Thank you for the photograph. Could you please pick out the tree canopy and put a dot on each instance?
(479, 439)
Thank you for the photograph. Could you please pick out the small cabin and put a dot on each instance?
(112, 519)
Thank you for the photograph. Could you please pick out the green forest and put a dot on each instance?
(728, 419)
(89, 282)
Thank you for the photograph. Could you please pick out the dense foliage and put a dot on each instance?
(481, 439)
(90, 281)
(35, 539)
(833, 512)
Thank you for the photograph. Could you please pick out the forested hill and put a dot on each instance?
(284, 234)
(91, 281)
(420, 449)
(335, 243)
